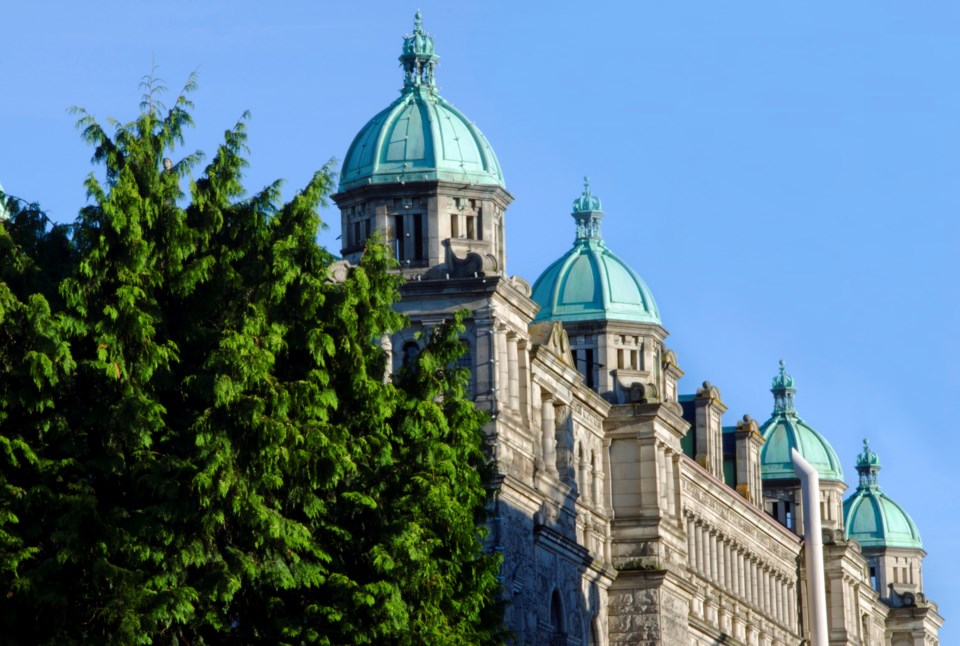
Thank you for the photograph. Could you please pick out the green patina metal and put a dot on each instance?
(785, 430)
(589, 282)
(872, 518)
(419, 137)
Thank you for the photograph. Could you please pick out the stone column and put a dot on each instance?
(523, 380)
(791, 608)
(583, 477)
(754, 598)
(711, 555)
(691, 562)
(741, 589)
(671, 465)
(597, 480)
(767, 592)
(721, 561)
(548, 426)
(661, 469)
(778, 588)
(503, 368)
(513, 380)
(704, 536)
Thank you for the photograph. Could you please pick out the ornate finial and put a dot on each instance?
(418, 59)
(783, 391)
(868, 466)
(588, 212)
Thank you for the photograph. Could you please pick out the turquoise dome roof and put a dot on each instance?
(785, 430)
(589, 282)
(873, 519)
(419, 137)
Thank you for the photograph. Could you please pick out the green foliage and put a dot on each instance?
(197, 442)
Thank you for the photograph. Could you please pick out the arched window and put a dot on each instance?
(410, 351)
(557, 617)
(466, 362)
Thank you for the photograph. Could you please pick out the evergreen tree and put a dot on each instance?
(197, 441)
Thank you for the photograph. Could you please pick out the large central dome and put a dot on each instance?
(589, 282)
(419, 137)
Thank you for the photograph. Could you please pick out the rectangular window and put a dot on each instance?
(633, 360)
(479, 224)
(471, 227)
(589, 368)
(873, 579)
(398, 236)
(620, 359)
(418, 236)
(454, 225)
(356, 233)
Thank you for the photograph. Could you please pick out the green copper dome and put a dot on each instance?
(785, 431)
(419, 137)
(590, 282)
(870, 517)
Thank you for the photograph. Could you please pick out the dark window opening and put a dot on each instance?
(418, 236)
(409, 239)
(410, 352)
(589, 369)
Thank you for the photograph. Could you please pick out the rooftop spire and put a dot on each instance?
(783, 391)
(419, 58)
(588, 212)
(868, 466)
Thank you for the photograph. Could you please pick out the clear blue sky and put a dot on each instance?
(783, 175)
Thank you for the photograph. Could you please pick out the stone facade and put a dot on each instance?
(626, 512)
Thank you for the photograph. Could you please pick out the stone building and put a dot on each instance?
(627, 511)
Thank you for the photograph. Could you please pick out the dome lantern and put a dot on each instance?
(588, 213)
(783, 391)
(868, 466)
(419, 58)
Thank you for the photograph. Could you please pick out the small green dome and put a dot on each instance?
(419, 137)
(785, 430)
(589, 282)
(873, 519)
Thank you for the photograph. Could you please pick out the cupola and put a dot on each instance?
(590, 282)
(785, 430)
(420, 136)
(871, 517)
